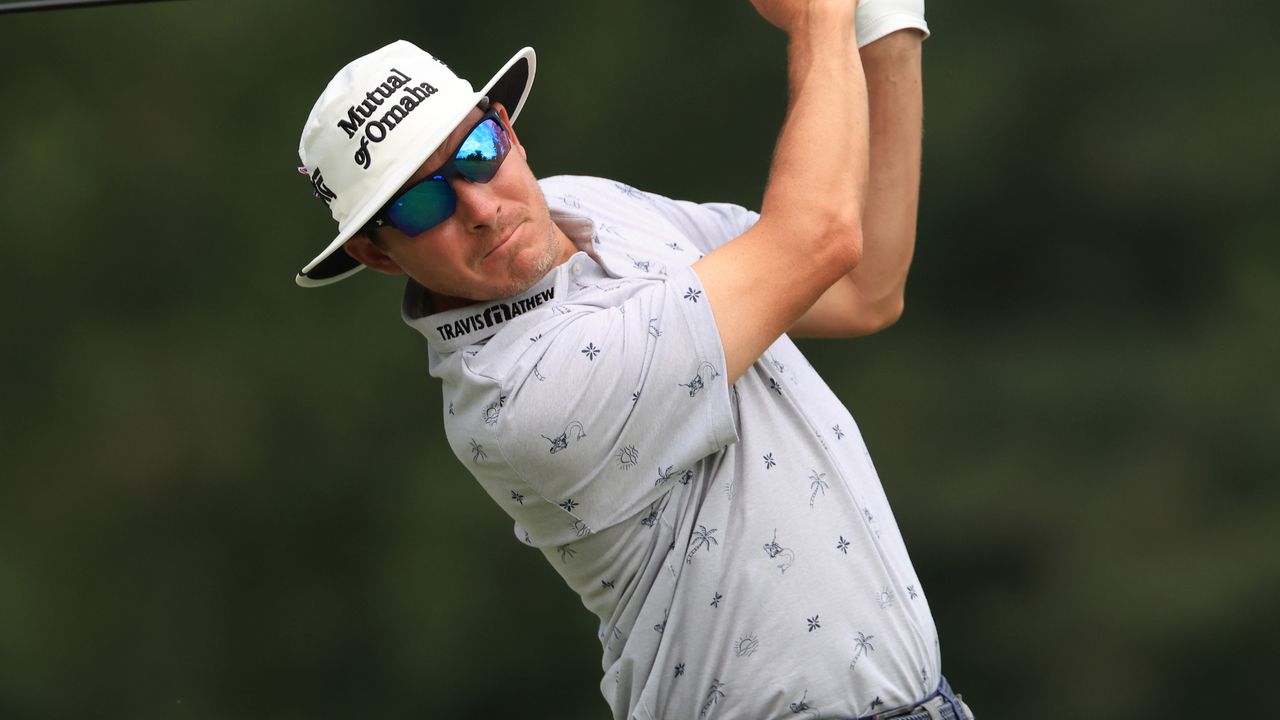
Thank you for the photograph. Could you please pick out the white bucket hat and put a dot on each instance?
(375, 124)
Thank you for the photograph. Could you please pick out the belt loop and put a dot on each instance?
(944, 689)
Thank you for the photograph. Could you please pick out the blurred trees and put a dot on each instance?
(223, 496)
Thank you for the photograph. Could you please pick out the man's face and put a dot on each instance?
(499, 241)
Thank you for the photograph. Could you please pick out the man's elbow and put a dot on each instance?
(890, 312)
(840, 235)
(873, 318)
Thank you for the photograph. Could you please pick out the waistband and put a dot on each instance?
(943, 704)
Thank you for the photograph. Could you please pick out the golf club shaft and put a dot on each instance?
(33, 5)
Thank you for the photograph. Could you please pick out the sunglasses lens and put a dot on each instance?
(422, 206)
(482, 152)
(431, 201)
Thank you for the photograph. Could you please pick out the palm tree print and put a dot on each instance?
(713, 697)
(477, 451)
(702, 537)
(665, 475)
(566, 553)
(817, 485)
(861, 647)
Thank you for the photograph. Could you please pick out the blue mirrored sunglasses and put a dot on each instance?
(431, 201)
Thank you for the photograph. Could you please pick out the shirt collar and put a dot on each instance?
(452, 330)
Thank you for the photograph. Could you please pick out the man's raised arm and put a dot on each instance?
(871, 297)
(809, 234)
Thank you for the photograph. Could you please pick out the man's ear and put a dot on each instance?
(511, 131)
(364, 251)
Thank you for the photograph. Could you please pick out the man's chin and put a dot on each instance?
(522, 271)
(528, 267)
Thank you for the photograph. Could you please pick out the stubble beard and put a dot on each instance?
(523, 278)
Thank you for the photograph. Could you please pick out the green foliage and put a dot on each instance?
(225, 497)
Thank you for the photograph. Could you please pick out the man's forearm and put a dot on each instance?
(871, 296)
(892, 67)
(823, 142)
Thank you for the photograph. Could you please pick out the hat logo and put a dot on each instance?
(376, 130)
(322, 190)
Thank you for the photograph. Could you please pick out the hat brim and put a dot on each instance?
(509, 86)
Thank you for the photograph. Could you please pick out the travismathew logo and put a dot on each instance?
(377, 129)
(495, 314)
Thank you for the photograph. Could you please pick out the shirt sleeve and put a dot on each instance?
(621, 401)
(707, 225)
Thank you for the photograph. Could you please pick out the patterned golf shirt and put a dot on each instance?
(734, 541)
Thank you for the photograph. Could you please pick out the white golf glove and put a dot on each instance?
(877, 18)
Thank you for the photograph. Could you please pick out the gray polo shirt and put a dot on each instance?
(734, 541)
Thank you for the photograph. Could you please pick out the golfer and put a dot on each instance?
(618, 371)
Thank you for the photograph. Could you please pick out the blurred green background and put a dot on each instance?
(222, 496)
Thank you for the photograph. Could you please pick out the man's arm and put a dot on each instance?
(810, 230)
(870, 297)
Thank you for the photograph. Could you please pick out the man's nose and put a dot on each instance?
(477, 203)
